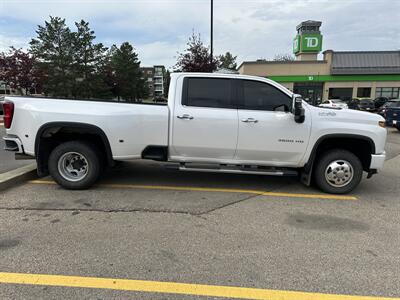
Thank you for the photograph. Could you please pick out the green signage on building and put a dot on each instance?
(296, 44)
(335, 78)
(307, 43)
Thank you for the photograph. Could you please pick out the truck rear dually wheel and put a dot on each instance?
(75, 165)
(338, 171)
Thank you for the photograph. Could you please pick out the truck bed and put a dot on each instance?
(129, 127)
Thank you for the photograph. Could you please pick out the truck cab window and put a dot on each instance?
(263, 96)
(207, 92)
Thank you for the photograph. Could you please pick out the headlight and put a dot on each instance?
(381, 123)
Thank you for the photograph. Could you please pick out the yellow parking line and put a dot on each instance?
(172, 287)
(223, 190)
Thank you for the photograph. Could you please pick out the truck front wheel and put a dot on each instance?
(338, 171)
(75, 165)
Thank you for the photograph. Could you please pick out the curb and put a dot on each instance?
(17, 176)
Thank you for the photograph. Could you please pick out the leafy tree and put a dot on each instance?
(54, 48)
(143, 89)
(196, 58)
(126, 73)
(283, 57)
(18, 71)
(227, 61)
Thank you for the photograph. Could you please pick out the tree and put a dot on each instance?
(196, 58)
(126, 73)
(227, 61)
(167, 80)
(18, 71)
(283, 57)
(53, 48)
(89, 60)
(76, 66)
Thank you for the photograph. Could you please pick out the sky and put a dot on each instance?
(250, 29)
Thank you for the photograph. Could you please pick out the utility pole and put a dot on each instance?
(212, 25)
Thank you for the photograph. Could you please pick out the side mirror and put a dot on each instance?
(298, 109)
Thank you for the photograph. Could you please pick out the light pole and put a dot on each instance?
(211, 27)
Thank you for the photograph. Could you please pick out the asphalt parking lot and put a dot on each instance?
(7, 161)
(176, 235)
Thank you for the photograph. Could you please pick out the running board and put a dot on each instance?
(239, 170)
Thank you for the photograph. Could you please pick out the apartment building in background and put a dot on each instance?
(154, 77)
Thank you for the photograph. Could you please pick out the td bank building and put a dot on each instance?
(339, 75)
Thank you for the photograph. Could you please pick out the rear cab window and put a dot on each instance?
(207, 92)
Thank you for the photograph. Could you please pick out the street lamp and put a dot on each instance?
(211, 27)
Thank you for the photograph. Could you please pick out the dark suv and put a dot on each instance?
(393, 117)
(366, 105)
(391, 103)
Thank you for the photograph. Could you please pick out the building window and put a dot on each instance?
(344, 94)
(364, 92)
(391, 92)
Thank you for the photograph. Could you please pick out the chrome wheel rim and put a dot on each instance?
(339, 173)
(73, 166)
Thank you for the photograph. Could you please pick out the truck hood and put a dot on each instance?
(346, 115)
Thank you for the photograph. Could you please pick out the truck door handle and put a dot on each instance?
(250, 120)
(185, 117)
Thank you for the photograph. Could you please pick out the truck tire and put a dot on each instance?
(75, 165)
(338, 171)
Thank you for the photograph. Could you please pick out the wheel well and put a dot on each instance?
(361, 147)
(51, 135)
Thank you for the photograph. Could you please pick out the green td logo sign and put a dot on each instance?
(307, 43)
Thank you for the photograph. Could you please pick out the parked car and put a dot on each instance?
(353, 104)
(335, 103)
(366, 104)
(212, 123)
(380, 101)
(393, 117)
(391, 103)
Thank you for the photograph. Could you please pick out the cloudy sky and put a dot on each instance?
(250, 29)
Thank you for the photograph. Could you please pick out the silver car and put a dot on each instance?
(334, 103)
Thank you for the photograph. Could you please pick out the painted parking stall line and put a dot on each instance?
(218, 190)
(171, 287)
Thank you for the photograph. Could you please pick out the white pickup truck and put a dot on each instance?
(212, 123)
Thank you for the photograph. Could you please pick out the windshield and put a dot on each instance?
(365, 102)
(338, 101)
(392, 103)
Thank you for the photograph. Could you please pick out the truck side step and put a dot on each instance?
(234, 169)
(159, 153)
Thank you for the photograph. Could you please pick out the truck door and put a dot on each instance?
(268, 133)
(204, 120)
